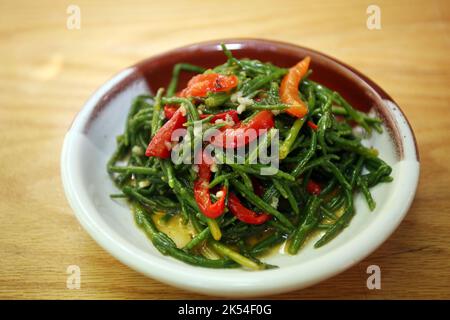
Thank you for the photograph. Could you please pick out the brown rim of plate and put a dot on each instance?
(359, 90)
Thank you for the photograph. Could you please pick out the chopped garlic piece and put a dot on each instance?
(220, 194)
(243, 103)
(143, 184)
(274, 202)
(244, 100)
(241, 108)
(229, 120)
(234, 97)
(137, 150)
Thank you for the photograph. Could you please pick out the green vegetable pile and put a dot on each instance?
(322, 165)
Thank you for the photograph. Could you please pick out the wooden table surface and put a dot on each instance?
(47, 72)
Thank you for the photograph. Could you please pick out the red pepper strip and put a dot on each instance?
(244, 214)
(244, 133)
(312, 125)
(289, 89)
(169, 111)
(159, 146)
(201, 191)
(201, 84)
(313, 187)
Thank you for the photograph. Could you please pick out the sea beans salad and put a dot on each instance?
(247, 156)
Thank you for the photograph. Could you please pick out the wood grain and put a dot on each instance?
(48, 71)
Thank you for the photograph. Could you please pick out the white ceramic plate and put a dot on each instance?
(91, 140)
